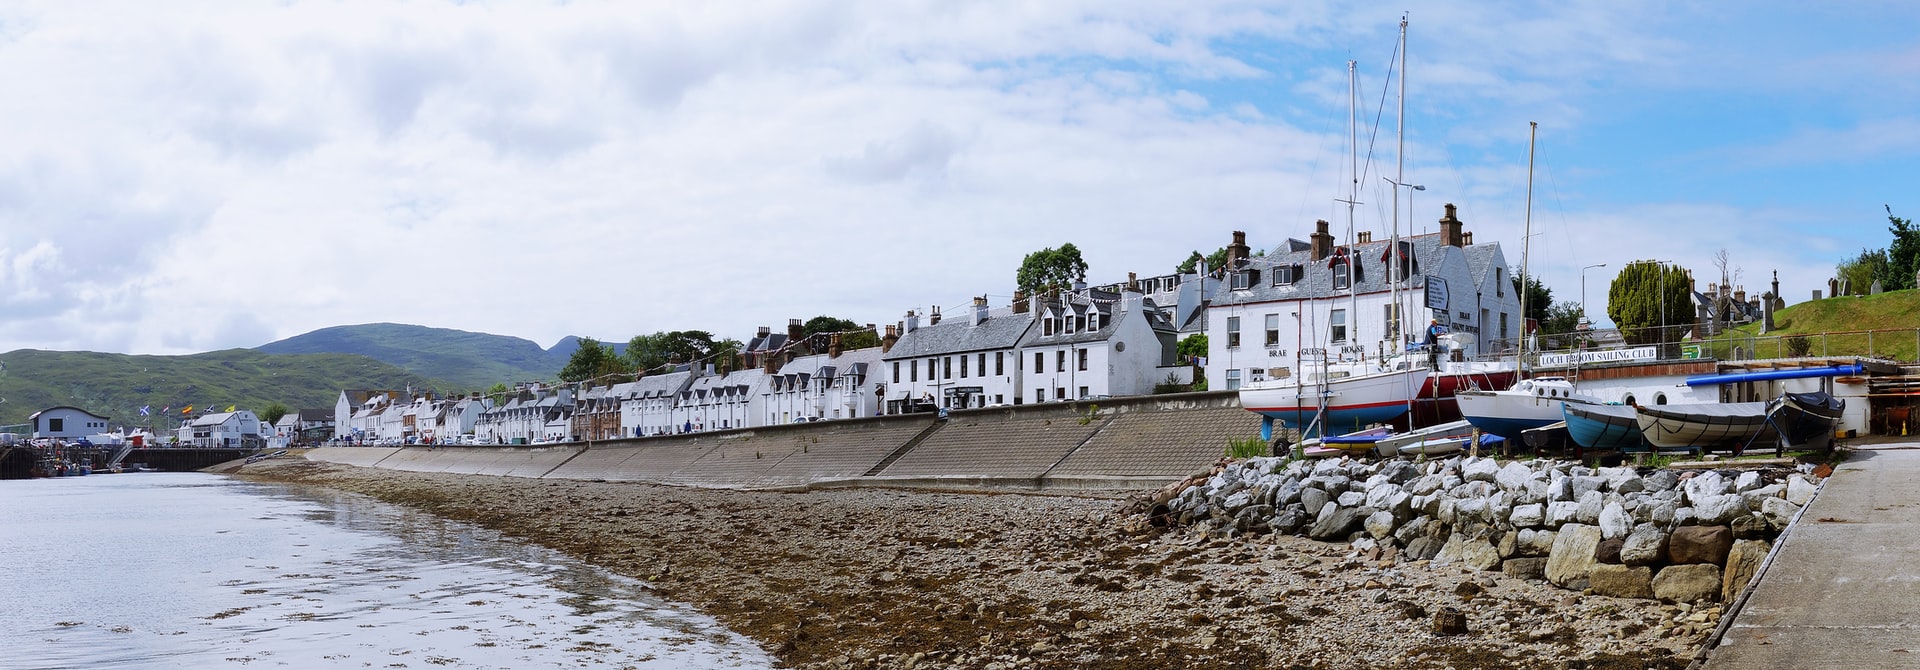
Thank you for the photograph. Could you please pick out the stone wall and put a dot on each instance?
(1676, 536)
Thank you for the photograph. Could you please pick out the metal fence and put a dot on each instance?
(1896, 344)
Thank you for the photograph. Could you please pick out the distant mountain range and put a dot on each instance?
(304, 371)
(470, 360)
(118, 385)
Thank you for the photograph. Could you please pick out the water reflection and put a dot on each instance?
(187, 570)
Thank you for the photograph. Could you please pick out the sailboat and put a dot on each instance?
(1530, 403)
(1339, 397)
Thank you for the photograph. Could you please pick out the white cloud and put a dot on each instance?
(202, 176)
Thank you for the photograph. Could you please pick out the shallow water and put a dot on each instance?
(162, 570)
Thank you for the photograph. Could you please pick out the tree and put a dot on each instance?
(1191, 347)
(591, 360)
(1561, 327)
(1539, 298)
(1050, 269)
(498, 392)
(1856, 276)
(852, 335)
(271, 415)
(652, 353)
(1651, 302)
(1214, 261)
(1903, 256)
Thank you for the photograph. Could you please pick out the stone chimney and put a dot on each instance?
(979, 310)
(1451, 233)
(934, 318)
(1322, 241)
(892, 336)
(1238, 251)
(833, 345)
(795, 331)
(913, 323)
(1466, 239)
(1133, 282)
(1019, 302)
(1364, 237)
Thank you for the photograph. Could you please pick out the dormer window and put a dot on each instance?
(1241, 280)
(1341, 279)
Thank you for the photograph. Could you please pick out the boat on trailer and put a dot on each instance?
(1607, 427)
(1808, 418)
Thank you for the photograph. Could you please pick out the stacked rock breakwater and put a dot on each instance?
(1682, 537)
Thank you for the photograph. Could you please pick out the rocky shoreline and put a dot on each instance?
(871, 578)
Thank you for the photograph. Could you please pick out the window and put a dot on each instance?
(1233, 379)
(913, 370)
(1340, 275)
(999, 363)
(1233, 332)
(1083, 359)
(1059, 393)
(1503, 325)
(982, 364)
(1282, 275)
(56, 425)
(963, 366)
(1046, 327)
(1339, 321)
(1500, 282)
(1039, 362)
(1061, 360)
(896, 372)
(1393, 321)
(1039, 395)
(947, 370)
(1083, 392)
(1240, 280)
(1273, 330)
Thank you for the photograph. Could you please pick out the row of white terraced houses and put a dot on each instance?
(1259, 313)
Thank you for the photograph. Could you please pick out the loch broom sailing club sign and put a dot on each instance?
(1606, 356)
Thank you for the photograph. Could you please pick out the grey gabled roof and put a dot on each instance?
(1002, 330)
(1317, 276)
(1076, 307)
(662, 385)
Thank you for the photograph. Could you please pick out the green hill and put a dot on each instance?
(471, 360)
(1834, 327)
(118, 385)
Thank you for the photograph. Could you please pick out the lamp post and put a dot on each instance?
(1583, 294)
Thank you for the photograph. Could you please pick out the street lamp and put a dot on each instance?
(1583, 294)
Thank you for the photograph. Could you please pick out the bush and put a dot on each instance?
(1247, 447)
(1799, 346)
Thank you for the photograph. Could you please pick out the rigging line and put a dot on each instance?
(1555, 184)
(1318, 155)
(1374, 136)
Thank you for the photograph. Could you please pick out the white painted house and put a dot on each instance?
(649, 410)
(227, 430)
(1276, 311)
(968, 362)
(66, 423)
(1093, 343)
(721, 402)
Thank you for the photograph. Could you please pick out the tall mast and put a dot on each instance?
(1399, 177)
(1353, 196)
(1526, 245)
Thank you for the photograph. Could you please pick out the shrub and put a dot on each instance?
(1247, 447)
(1799, 346)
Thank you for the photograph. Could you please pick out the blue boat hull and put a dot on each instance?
(1506, 427)
(1605, 427)
(1338, 419)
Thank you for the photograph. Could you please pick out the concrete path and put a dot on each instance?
(1844, 589)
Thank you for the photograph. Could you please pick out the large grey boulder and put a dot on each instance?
(1525, 568)
(1646, 545)
(1661, 480)
(1513, 476)
(1534, 543)
(1718, 510)
(1747, 481)
(1585, 485)
(1800, 489)
(1290, 520)
(1561, 513)
(1560, 490)
(1313, 499)
(1337, 523)
(1703, 485)
(1472, 552)
(1614, 521)
(1351, 499)
(1528, 516)
(1654, 510)
(1471, 510)
(1591, 503)
(1778, 512)
(1236, 502)
(1427, 485)
(1621, 581)
(1572, 557)
(1379, 524)
(1698, 582)
(1479, 469)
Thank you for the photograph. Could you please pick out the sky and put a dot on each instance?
(191, 176)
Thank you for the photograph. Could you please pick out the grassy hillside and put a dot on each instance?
(1895, 315)
(472, 360)
(117, 385)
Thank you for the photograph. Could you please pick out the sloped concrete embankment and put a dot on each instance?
(1114, 443)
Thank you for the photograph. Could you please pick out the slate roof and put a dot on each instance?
(1075, 309)
(312, 415)
(1002, 330)
(1317, 279)
(663, 385)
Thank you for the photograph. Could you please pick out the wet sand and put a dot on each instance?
(872, 578)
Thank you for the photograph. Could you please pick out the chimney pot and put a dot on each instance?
(1466, 239)
(1238, 251)
(934, 318)
(1321, 241)
(1451, 229)
(1019, 302)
